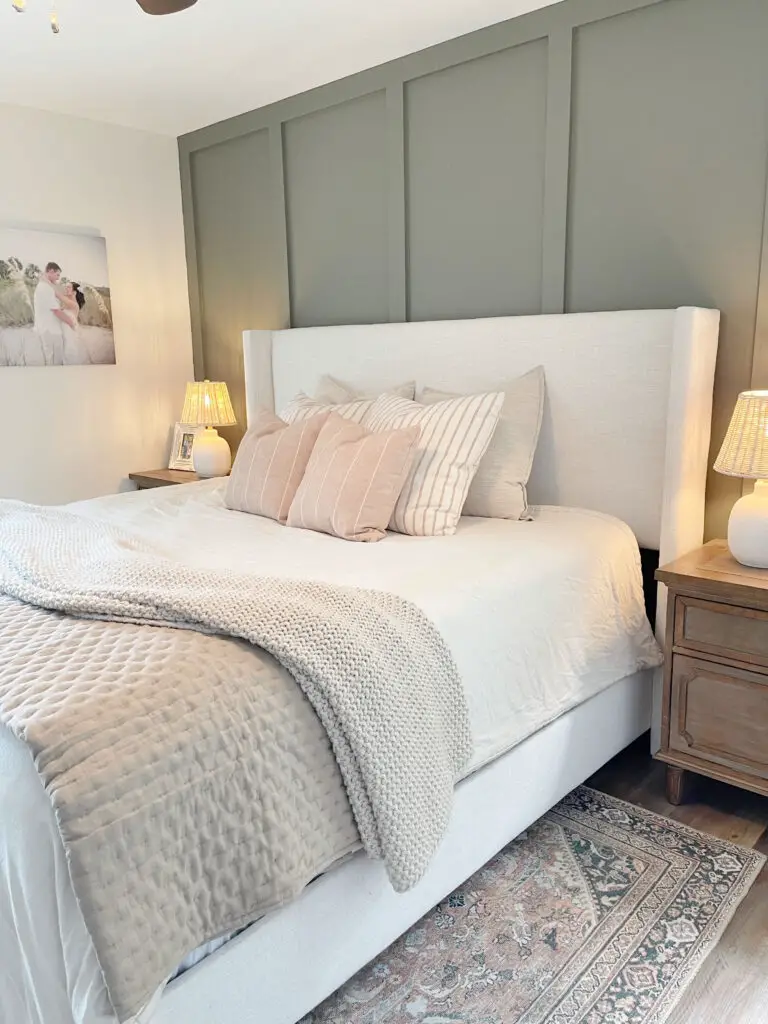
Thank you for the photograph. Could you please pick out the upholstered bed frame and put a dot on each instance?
(626, 431)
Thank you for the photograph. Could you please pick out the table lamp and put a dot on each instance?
(745, 453)
(207, 404)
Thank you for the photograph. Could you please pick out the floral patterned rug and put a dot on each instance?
(600, 913)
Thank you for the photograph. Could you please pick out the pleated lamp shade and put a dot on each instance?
(745, 448)
(207, 404)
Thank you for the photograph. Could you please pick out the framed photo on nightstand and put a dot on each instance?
(183, 445)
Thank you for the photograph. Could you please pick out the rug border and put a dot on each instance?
(756, 861)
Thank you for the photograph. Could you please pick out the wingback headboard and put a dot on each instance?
(629, 397)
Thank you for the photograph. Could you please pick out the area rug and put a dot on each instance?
(600, 913)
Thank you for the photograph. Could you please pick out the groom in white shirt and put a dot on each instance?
(49, 316)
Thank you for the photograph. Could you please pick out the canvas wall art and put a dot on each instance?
(55, 306)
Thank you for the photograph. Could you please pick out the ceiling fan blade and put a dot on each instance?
(164, 6)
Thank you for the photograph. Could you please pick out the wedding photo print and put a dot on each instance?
(55, 306)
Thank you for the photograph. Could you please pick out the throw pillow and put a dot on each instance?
(498, 490)
(454, 435)
(353, 479)
(270, 463)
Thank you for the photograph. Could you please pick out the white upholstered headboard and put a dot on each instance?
(629, 398)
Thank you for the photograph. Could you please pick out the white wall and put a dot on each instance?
(71, 432)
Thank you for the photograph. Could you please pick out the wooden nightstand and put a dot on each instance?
(715, 701)
(162, 478)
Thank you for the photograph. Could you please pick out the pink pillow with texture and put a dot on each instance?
(353, 480)
(270, 463)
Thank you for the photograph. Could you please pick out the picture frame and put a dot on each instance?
(55, 298)
(184, 435)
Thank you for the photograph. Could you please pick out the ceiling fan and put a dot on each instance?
(164, 6)
(149, 6)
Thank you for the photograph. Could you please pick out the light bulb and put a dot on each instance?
(19, 5)
(55, 27)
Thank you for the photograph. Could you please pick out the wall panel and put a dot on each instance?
(336, 203)
(475, 186)
(596, 154)
(668, 175)
(237, 265)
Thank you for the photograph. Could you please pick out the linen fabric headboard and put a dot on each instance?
(629, 398)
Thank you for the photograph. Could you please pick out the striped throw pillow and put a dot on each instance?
(353, 479)
(454, 435)
(499, 488)
(270, 463)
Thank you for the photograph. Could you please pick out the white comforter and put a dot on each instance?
(539, 616)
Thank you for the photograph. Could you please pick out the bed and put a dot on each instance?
(624, 441)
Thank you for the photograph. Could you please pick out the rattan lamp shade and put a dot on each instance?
(207, 404)
(745, 448)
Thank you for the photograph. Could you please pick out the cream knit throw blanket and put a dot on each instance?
(376, 671)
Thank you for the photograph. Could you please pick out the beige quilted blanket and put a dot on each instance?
(193, 784)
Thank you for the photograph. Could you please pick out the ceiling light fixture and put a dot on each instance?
(20, 7)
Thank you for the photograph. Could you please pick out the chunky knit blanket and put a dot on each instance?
(174, 757)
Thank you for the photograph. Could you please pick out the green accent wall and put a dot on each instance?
(598, 154)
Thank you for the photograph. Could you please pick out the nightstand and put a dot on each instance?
(715, 700)
(162, 478)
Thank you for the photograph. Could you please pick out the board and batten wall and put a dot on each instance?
(598, 154)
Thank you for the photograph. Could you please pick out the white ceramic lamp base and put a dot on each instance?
(211, 455)
(748, 528)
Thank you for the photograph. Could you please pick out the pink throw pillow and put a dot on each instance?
(270, 463)
(353, 480)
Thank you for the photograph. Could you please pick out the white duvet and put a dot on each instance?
(539, 616)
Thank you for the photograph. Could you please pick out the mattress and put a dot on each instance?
(539, 617)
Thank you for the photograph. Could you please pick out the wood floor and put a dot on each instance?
(732, 986)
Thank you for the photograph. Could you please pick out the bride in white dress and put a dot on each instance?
(72, 301)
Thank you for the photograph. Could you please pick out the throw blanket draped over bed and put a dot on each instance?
(175, 758)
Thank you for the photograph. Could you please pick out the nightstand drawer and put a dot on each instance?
(722, 629)
(719, 714)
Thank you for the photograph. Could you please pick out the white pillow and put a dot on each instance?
(498, 489)
(454, 435)
(335, 392)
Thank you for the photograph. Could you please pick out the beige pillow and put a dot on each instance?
(454, 436)
(270, 463)
(302, 407)
(498, 489)
(335, 392)
(353, 479)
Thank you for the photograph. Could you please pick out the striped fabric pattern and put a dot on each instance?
(270, 463)
(302, 407)
(498, 490)
(353, 479)
(454, 436)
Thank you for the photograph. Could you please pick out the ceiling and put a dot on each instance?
(170, 75)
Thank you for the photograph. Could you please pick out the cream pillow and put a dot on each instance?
(302, 407)
(270, 463)
(454, 435)
(498, 489)
(333, 395)
(334, 392)
(353, 479)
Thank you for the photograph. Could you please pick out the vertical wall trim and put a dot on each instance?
(396, 241)
(190, 246)
(280, 227)
(760, 351)
(556, 170)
